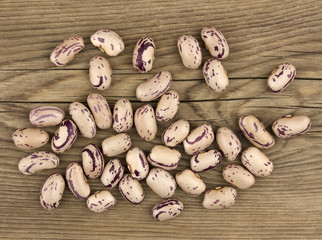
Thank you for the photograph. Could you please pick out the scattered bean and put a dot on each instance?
(164, 157)
(93, 161)
(108, 41)
(238, 176)
(290, 126)
(189, 51)
(65, 136)
(167, 106)
(167, 209)
(30, 138)
(100, 201)
(215, 75)
(116, 145)
(122, 115)
(101, 110)
(46, 116)
(215, 42)
(161, 182)
(220, 197)
(51, 191)
(281, 77)
(143, 55)
(137, 163)
(100, 73)
(145, 122)
(228, 143)
(190, 182)
(205, 161)
(175, 133)
(131, 189)
(112, 174)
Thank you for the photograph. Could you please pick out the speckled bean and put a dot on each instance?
(131, 189)
(175, 133)
(37, 162)
(155, 87)
(215, 42)
(238, 176)
(112, 174)
(30, 138)
(93, 161)
(145, 122)
(143, 55)
(137, 163)
(199, 139)
(255, 132)
(161, 182)
(101, 110)
(122, 115)
(290, 126)
(215, 75)
(116, 145)
(281, 77)
(46, 116)
(64, 137)
(219, 197)
(77, 182)
(190, 182)
(167, 106)
(167, 209)
(100, 201)
(100, 73)
(51, 191)
(67, 50)
(189, 51)
(108, 41)
(164, 157)
(83, 119)
(256, 162)
(228, 143)
(205, 161)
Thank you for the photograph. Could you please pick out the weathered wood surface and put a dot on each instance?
(261, 35)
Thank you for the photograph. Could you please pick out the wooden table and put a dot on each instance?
(261, 35)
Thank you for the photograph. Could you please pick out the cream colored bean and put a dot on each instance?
(167, 209)
(143, 55)
(101, 110)
(131, 189)
(175, 133)
(190, 182)
(116, 145)
(155, 87)
(215, 75)
(100, 73)
(37, 162)
(76, 181)
(46, 116)
(167, 106)
(67, 50)
(256, 162)
(51, 191)
(137, 163)
(290, 126)
(228, 143)
(145, 122)
(189, 51)
(161, 182)
(215, 42)
(93, 161)
(255, 132)
(281, 77)
(65, 136)
(100, 201)
(122, 115)
(238, 176)
(220, 197)
(108, 41)
(83, 119)
(199, 139)
(112, 174)
(205, 161)
(30, 138)
(164, 157)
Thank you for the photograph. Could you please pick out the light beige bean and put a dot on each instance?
(255, 132)
(215, 42)
(281, 77)
(189, 51)
(143, 55)
(205, 161)
(76, 181)
(154, 87)
(112, 174)
(256, 162)
(219, 197)
(30, 138)
(108, 41)
(215, 75)
(46, 116)
(122, 115)
(137, 163)
(167, 209)
(131, 189)
(145, 122)
(238, 176)
(175, 133)
(164, 157)
(228, 143)
(290, 126)
(93, 161)
(167, 106)
(101, 110)
(100, 201)
(65, 136)
(100, 73)
(161, 182)
(116, 145)
(190, 182)
(51, 191)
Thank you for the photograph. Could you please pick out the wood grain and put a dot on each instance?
(261, 35)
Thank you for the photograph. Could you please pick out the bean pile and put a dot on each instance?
(156, 165)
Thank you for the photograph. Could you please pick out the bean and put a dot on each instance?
(228, 143)
(291, 126)
(100, 201)
(51, 191)
(30, 138)
(137, 163)
(77, 182)
(215, 42)
(131, 189)
(164, 157)
(219, 197)
(281, 77)
(167, 106)
(64, 137)
(161, 182)
(238, 176)
(189, 51)
(167, 209)
(145, 122)
(175, 133)
(46, 116)
(100, 73)
(101, 110)
(122, 115)
(205, 161)
(116, 145)
(190, 182)
(93, 161)
(143, 55)
(112, 174)
(215, 75)
(108, 41)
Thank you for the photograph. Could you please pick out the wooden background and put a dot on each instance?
(261, 35)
